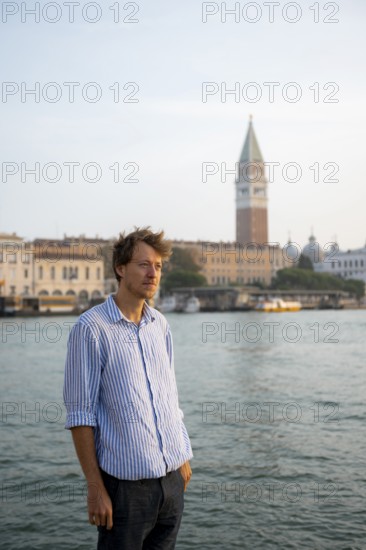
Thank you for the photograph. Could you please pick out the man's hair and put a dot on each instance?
(124, 247)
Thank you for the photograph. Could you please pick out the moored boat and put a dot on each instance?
(167, 304)
(277, 305)
(192, 305)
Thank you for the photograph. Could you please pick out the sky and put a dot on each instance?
(151, 100)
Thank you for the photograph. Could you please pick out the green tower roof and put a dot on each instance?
(251, 151)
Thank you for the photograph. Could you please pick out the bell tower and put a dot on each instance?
(251, 193)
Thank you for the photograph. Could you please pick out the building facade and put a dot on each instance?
(229, 263)
(16, 269)
(51, 268)
(350, 264)
(251, 193)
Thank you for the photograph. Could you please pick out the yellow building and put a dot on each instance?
(225, 263)
(71, 268)
(16, 273)
(51, 268)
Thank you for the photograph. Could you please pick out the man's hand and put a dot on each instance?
(186, 473)
(99, 503)
(99, 506)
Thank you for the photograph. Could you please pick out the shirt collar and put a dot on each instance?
(115, 314)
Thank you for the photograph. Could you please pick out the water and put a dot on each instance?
(277, 428)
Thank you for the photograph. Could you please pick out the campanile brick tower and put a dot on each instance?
(251, 193)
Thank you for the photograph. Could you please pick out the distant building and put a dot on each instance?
(251, 193)
(51, 267)
(16, 276)
(250, 259)
(225, 263)
(350, 264)
(313, 250)
(70, 266)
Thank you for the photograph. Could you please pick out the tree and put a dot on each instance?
(181, 259)
(182, 278)
(356, 286)
(292, 278)
(305, 263)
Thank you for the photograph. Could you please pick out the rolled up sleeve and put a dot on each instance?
(82, 377)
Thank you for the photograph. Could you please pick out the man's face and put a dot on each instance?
(141, 276)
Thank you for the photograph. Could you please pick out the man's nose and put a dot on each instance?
(152, 271)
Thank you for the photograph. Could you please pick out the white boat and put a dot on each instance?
(192, 305)
(277, 305)
(167, 304)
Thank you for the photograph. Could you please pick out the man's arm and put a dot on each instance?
(99, 503)
(185, 469)
(81, 388)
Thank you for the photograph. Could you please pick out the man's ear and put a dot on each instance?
(120, 270)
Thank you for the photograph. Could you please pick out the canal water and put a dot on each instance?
(275, 408)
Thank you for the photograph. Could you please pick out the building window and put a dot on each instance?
(361, 263)
(12, 273)
(12, 258)
(73, 272)
(87, 272)
(40, 272)
(53, 273)
(98, 273)
(333, 265)
(83, 296)
(26, 291)
(345, 263)
(26, 259)
(64, 273)
(26, 274)
(12, 290)
(350, 263)
(356, 263)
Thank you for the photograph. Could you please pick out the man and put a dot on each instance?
(122, 406)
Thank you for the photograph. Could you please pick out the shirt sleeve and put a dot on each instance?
(169, 345)
(82, 377)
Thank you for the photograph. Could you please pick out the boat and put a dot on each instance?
(277, 305)
(57, 304)
(192, 305)
(167, 304)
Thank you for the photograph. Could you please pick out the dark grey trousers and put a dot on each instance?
(146, 513)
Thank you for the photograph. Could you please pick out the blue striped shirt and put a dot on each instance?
(119, 379)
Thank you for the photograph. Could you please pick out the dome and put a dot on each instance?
(313, 250)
